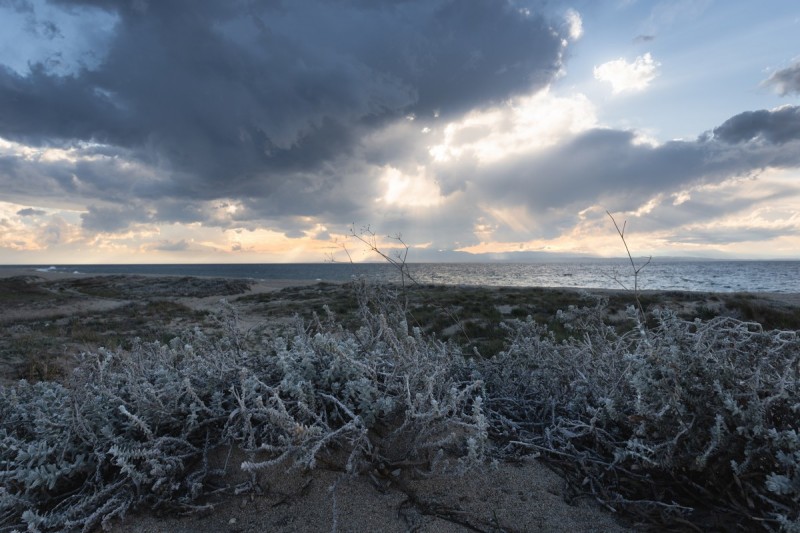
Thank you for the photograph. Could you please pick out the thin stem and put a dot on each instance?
(636, 270)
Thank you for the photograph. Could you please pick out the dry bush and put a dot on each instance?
(135, 428)
(688, 424)
(692, 422)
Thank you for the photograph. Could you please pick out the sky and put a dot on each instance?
(184, 131)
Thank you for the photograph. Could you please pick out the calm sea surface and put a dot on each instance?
(717, 276)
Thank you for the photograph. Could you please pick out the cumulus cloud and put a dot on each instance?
(624, 76)
(31, 229)
(574, 24)
(532, 196)
(522, 125)
(611, 168)
(786, 81)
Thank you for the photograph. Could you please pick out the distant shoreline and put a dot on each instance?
(50, 274)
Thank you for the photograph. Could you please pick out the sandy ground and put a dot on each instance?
(93, 305)
(53, 275)
(519, 497)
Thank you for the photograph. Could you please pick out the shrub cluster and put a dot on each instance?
(684, 421)
(136, 427)
(687, 420)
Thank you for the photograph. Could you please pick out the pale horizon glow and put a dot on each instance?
(476, 130)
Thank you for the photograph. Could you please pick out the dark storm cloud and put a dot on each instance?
(117, 218)
(776, 126)
(787, 80)
(181, 212)
(234, 99)
(112, 219)
(20, 6)
(31, 212)
(42, 109)
(21, 179)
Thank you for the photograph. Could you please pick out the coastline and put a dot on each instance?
(7, 271)
(725, 277)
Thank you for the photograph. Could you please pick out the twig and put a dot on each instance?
(636, 270)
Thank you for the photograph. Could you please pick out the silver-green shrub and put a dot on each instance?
(395, 397)
(129, 428)
(135, 428)
(692, 421)
(686, 417)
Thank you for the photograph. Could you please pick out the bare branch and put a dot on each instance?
(636, 270)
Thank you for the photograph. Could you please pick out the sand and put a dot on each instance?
(511, 497)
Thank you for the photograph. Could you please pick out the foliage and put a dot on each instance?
(683, 422)
(135, 428)
(694, 420)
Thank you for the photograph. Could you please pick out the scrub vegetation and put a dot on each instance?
(682, 416)
(680, 423)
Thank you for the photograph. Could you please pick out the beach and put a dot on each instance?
(49, 319)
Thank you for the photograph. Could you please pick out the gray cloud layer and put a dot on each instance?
(257, 99)
(30, 212)
(291, 108)
(776, 127)
(604, 163)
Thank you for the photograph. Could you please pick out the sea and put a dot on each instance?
(710, 276)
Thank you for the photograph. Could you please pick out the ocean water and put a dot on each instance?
(715, 276)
